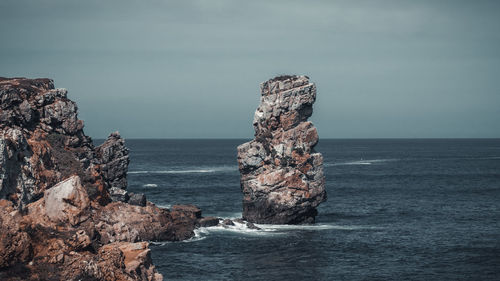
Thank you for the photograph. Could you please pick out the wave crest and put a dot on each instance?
(193, 170)
(361, 162)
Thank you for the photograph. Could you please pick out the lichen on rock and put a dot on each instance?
(281, 174)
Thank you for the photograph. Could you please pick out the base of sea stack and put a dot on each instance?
(264, 212)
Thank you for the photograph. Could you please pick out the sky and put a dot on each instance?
(191, 69)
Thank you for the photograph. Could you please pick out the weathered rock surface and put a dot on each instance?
(118, 195)
(61, 236)
(56, 219)
(124, 222)
(138, 199)
(113, 159)
(67, 202)
(281, 174)
(42, 142)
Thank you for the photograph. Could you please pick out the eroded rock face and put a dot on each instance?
(281, 174)
(113, 159)
(56, 219)
(42, 142)
(131, 223)
(52, 241)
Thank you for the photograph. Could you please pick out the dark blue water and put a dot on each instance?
(397, 210)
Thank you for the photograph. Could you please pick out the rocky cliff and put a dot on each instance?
(281, 174)
(57, 218)
(42, 142)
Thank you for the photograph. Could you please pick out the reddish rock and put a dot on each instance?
(124, 222)
(281, 174)
(57, 238)
(56, 222)
(184, 220)
(137, 260)
(42, 142)
(15, 244)
(190, 210)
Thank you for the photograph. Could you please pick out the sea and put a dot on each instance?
(397, 209)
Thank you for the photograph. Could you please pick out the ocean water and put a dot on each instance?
(397, 210)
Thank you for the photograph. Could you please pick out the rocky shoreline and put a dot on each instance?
(64, 209)
(65, 212)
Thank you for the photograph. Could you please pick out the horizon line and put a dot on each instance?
(362, 138)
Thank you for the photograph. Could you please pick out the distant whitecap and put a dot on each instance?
(194, 170)
(360, 162)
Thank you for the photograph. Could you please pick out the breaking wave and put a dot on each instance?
(271, 229)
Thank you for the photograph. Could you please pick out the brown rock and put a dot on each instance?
(56, 223)
(15, 245)
(42, 142)
(184, 219)
(124, 222)
(190, 210)
(281, 174)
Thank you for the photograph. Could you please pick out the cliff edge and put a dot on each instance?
(58, 220)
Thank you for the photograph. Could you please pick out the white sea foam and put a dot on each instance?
(240, 228)
(265, 230)
(156, 243)
(195, 170)
(271, 229)
(199, 234)
(150, 185)
(325, 226)
(360, 162)
(173, 172)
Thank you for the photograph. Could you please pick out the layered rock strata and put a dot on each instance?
(281, 174)
(57, 218)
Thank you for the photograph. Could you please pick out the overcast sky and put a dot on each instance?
(191, 69)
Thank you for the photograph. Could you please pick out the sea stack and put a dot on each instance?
(281, 174)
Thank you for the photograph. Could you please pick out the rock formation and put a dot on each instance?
(57, 219)
(42, 142)
(113, 160)
(281, 175)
